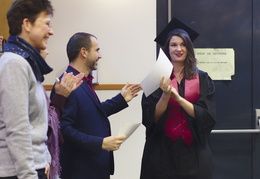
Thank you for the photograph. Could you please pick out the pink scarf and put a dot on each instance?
(176, 122)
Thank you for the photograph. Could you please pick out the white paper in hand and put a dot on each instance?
(128, 129)
(162, 68)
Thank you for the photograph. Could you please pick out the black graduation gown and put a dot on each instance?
(166, 159)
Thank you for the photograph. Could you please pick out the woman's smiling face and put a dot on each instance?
(40, 31)
(177, 49)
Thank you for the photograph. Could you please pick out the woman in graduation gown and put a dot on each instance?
(180, 115)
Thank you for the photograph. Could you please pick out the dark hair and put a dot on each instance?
(190, 63)
(30, 9)
(76, 42)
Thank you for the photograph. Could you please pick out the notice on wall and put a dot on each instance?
(219, 63)
(95, 75)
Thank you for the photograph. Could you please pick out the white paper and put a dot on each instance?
(162, 68)
(128, 129)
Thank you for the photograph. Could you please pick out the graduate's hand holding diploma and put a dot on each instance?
(165, 86)
(168, 89)
(171, 92)
(162, 68)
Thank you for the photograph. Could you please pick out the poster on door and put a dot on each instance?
(218, 62)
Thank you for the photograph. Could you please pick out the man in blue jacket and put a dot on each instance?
(88, 146)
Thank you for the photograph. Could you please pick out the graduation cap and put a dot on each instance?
(175, 24)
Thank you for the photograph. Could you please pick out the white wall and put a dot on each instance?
(125, 30)
(128, 157)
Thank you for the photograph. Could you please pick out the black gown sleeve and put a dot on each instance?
(148, 112)
(205, 109)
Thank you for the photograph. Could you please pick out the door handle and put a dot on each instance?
(256, 130)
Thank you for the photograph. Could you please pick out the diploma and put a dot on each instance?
(162, 68)
(128, 129)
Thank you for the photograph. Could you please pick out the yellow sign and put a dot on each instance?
(219, 63)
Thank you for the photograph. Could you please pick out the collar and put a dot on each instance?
(87, 79)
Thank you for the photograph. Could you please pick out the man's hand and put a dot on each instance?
(112, 143)
(68, 83)
(130, 91)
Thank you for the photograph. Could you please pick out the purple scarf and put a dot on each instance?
(53, 140)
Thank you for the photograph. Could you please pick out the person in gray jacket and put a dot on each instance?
(23, 100)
